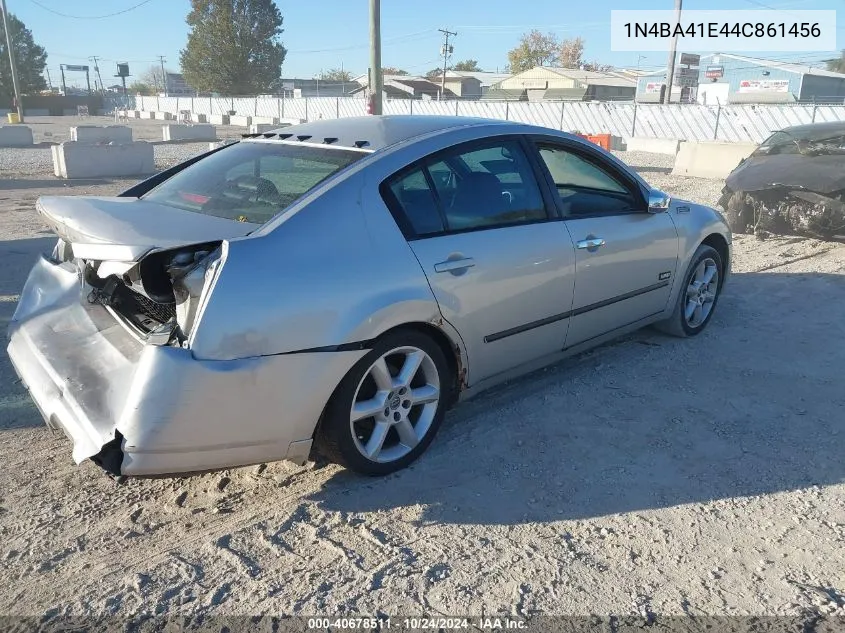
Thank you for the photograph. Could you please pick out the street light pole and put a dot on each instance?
(670, 70)
(15, 85)
(376, 82)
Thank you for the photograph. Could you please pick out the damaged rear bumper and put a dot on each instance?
(157, 409)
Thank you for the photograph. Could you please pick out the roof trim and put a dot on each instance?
(277, 141)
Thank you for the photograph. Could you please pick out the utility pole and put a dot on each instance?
(446, 51)
(163, 74)
(670, 70)
(49, 81)
(376, 82)
(15, 84)
(94, 59)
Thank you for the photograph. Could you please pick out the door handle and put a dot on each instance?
(591, 243)
(454, 265)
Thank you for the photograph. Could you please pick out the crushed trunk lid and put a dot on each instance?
(125, 229)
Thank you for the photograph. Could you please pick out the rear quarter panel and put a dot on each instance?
(320, 279)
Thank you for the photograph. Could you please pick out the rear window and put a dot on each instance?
(251, 182)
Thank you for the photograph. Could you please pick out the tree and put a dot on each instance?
(837, 65)
(336, 74)
(534, 49)
(572, 56)
(31, 60)
(434, 73)
(596, 67)
(153, 78)
(390, 70)
(140, 88)
(571, 53)
(234, 47)
(469, 65)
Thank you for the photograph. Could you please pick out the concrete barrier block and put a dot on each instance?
(667, 146)
(292, 121)
(705, 159)
(135, 114)
(271, 120)
(164, 116)
(200, 118)
(243, 121)
(15, 136)
(201, 132)
(84, 160)
(148, 114)
(36, 112)
(101, 134)
(218, 119)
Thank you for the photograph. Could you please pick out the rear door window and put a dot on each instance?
(418, 203)
(484, 187)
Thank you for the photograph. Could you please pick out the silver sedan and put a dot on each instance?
(339, 285)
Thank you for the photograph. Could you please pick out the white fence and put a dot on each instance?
(688, 122)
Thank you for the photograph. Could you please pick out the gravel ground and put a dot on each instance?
(650, 476)
(38, 160)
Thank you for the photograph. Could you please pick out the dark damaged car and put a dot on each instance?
(793, 183)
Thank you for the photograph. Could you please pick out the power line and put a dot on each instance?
(771, 8)
(90, 17)
(392, 40)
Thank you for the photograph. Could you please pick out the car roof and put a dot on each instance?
(811, 129)
(373, 132)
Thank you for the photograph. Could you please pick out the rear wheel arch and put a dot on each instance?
(331, 435)
(451, 350)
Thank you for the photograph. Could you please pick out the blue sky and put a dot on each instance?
(323, 34)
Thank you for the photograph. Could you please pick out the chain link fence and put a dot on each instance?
(731, 123)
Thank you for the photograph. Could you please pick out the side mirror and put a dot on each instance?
(658, 202)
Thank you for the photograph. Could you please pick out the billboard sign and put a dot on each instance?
(764, 85)
(79, 68)
(688, 59)
(686, 77)
(534, 84)
(653, 86)
(714, 72)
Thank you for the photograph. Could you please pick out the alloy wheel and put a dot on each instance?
(701, 292)
(395, 404)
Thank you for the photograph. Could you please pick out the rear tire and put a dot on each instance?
(698, 296)
(388, 408)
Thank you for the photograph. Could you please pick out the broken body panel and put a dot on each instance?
(106, 334)
(794, 183)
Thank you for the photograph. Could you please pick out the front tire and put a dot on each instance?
(387, 409)
(702, 285)
(738, 213)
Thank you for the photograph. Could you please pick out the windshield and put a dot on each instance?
(251, 182)
(819, 142)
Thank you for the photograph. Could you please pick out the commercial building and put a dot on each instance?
(570, 84)
(725, 78)
(470, 84)
(404, 87)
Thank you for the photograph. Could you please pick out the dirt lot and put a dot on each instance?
(651, 476)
